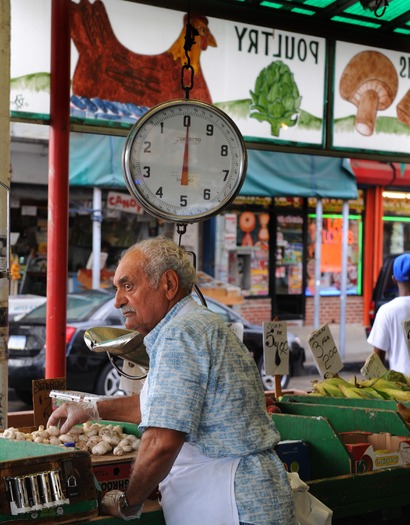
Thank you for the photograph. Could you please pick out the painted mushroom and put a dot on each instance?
(370, 82)
(403, 109)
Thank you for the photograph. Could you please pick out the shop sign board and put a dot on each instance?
(270, 81)
(273, 83)
(123, 202)
(371, 99)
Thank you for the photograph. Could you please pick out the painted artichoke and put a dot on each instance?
(276, 97)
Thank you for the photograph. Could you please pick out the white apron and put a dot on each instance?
(198, 490)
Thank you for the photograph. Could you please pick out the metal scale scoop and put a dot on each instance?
(126, 344)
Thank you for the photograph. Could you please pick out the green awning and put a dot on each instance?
(95, 160)
(273, 174)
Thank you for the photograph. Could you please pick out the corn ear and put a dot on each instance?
(398, 395)
(352, 392)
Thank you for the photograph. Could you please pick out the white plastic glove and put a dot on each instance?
(73, 413)
(110, 504)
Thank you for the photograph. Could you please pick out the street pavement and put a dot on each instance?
(356, 348)
(353, 353)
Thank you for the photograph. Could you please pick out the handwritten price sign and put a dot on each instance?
(275, 348)
(325, 352)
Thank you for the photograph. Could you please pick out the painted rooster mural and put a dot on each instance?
(108, 70)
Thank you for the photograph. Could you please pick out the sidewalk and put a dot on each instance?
(356, 349)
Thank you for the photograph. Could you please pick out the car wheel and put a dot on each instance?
(268, 382)
(24, 395)
(108, 382)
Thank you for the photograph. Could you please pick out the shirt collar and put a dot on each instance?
(150, 338)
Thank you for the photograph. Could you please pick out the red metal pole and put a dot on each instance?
(58, 190)
(373, 246)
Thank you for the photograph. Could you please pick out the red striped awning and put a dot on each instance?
(376, 173)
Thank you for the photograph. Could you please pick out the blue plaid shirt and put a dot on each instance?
(204, 382)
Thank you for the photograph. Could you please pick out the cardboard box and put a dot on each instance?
(295, 456)
(375, 451)
(112, 475)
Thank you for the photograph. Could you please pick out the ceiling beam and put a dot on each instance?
(318, 25)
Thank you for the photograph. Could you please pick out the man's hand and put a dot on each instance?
(71, 414)
(114, 504)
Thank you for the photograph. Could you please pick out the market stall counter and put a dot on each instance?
(359, 455)
(44, 481)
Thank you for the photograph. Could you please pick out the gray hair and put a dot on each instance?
(162, 254)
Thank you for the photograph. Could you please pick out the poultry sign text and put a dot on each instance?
(289, 47)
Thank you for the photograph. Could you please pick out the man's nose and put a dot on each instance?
(119, 299)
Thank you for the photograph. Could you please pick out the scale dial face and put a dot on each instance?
(184, 161)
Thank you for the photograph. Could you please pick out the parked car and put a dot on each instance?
(385, 289)
(92, 372)
(86, 371)
(22, 304)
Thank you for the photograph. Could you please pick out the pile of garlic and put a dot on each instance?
(92, 437)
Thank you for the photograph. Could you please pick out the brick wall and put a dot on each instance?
(330, 310)
(259, 310)
(256, 310)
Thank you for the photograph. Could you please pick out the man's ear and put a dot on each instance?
(171, 283)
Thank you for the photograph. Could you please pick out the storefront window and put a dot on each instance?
(396, 235)
(396, 222)
(289, 254)
(331, 255)
(252, 253)
(242, 254)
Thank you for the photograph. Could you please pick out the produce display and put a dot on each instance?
(271, 406)
(95, 438)
(391, 385)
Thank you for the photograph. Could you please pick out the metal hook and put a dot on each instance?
(190, 34)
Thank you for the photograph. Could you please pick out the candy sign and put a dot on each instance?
(275, 348)
(123, 202)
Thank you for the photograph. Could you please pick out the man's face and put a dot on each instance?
(142, 306)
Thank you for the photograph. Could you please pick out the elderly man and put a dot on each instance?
(207, 440)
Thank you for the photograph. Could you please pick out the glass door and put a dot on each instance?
(289, 282)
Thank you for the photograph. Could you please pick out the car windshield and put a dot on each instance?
(79, 307)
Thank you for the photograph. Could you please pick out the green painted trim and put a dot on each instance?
(396, 219)
(69, 509)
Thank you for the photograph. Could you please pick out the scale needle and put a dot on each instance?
(184, 175)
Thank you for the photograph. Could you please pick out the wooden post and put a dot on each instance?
(278, 387)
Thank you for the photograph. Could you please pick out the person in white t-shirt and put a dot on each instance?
(387, 335)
